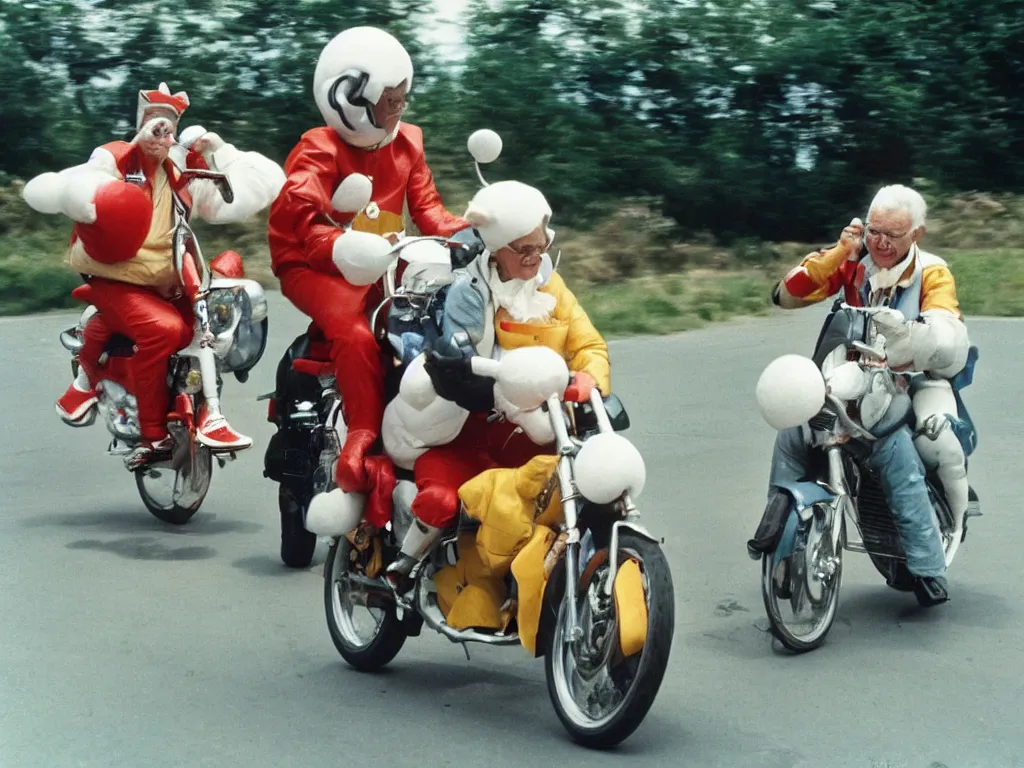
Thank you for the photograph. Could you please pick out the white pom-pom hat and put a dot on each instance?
(506, 211)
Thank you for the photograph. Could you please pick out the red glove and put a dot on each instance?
(580, 388)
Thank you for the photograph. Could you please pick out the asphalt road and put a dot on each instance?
(125, 642)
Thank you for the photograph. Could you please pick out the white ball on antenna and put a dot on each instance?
(484, 145)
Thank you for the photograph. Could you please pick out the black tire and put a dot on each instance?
(653, 658)
(390, 635)
(176, 514)
(783, 633)
(297, 544)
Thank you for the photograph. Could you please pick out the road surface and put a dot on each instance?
(126, 642)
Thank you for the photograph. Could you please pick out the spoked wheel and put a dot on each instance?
(800, 582)
(174, 490)
(297, 544)
(369, 638)
(600, 696)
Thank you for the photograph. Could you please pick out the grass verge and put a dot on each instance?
(33, 278)
(676, 302)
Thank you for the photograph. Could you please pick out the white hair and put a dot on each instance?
(897, 197)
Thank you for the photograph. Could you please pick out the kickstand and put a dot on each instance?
(466, 649)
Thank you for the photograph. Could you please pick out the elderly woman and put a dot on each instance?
(509, 297)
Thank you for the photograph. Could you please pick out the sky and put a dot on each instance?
(445, 28)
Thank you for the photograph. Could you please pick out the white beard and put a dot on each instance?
(521, 298)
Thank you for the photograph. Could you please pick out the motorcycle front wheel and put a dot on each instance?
(600, 696)
(366, 645)
(297, 544)
(174, 490)
(800, 583)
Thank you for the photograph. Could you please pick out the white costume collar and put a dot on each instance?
(522, 298)
(883, 279)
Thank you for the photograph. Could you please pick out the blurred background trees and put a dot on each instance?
(747, 119)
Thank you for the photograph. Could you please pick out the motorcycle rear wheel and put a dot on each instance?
(579, 677)
(171, 491)
(366, 653)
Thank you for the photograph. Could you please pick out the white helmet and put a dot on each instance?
(790, 391)
(353, 70)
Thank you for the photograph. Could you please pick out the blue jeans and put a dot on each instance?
(896, 461)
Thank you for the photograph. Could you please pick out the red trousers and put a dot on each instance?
(158, 327)
(479, 446)
(340, 310)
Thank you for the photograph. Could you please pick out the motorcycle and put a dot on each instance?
(807, 525)
(230, 318)
(606, 620)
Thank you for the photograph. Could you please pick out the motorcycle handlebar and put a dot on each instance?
(219, 179)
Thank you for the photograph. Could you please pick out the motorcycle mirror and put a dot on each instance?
(485, 146)
(353, 194)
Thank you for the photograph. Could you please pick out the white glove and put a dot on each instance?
(362, 257)
(890, 322)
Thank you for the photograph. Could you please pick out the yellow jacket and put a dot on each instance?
(569, 332)
(927, 281)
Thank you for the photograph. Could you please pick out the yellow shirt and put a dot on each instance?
(153, 265)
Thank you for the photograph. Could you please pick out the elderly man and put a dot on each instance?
(925, 336)
(360, 85)
(125, 200)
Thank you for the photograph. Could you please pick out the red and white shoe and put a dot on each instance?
(74, 405)
(215, 432)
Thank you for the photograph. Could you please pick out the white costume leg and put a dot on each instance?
(944, 454)
(208, 369)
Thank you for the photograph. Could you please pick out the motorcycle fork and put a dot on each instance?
(843, 500)
(181, 425)
(570, 512)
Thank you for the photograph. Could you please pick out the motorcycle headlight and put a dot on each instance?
(238, 320)
(222, 304)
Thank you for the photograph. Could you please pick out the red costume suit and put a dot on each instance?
(303, 248)
(143, 301)
(125, 201)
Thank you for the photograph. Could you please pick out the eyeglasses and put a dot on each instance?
(876, 234)
(528, 250)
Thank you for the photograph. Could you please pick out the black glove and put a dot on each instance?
(465, 245)
(454, 380)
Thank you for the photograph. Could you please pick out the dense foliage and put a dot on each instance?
(767, 119)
